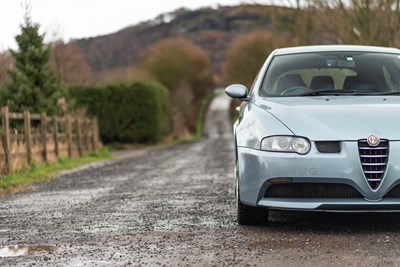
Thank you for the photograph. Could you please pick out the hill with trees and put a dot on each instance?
(372, 22)
(211, 29)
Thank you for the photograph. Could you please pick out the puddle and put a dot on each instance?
(20, 250)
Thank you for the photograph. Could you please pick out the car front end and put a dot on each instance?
(324, 142)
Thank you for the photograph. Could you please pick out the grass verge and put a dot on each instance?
(19, 180)
(202, 114)
(199, 122)
(233, 112)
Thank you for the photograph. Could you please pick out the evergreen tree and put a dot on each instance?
(34, 85)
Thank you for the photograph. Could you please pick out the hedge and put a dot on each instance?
(136, 113)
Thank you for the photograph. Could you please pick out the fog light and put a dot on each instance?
(280, 180)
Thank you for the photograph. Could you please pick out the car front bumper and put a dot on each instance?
(257, 168)
(338, 205)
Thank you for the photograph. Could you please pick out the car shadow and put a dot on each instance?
(335, 222)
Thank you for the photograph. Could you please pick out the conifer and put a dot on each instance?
(34, 85)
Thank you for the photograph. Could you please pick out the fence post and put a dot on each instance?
(86, 132)
(79, 136)
(28, 136)
(43, 131)
(6, 138)
(69, 135)
(98, 139)
(83, 134)
(55, 136)
(94, 134)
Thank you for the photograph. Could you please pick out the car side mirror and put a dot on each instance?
(237, 91)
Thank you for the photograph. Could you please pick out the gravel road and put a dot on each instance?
(174, 206)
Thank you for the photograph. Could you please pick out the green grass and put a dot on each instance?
(46, 171)
(202, 114)
(233, 112)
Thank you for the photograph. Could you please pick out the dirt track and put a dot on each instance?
(174, 206)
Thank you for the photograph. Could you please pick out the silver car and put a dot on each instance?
(319, 131)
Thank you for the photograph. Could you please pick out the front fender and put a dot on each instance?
(255, 124)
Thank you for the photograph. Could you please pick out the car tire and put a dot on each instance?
(248, 215)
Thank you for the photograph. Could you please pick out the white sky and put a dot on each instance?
(72, 19)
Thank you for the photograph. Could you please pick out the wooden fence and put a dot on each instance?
(28, 138)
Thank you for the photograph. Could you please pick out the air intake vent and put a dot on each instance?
(374, 160)
(393, 193)
(328, 146)
(311, 190)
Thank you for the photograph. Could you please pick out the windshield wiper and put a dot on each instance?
(389, 93)
(335, 92)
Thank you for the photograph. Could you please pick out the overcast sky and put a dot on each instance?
(71, 19)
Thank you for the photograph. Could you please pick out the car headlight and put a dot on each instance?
(292, 144)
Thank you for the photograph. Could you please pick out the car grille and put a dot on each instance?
(373, 161)
(311, 190)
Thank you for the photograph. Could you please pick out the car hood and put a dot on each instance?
(337, 117)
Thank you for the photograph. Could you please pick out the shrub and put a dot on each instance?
(135, 113)
(185, 69)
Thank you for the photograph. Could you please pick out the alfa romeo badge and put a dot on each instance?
(373, 140)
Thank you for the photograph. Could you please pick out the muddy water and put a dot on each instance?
(21, 250)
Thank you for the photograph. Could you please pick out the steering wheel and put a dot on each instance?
(296, 90)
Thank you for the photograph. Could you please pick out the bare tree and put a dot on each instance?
(70, 64)
(6, 62)
(373, 22)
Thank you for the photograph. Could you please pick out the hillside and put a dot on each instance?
(212, 29)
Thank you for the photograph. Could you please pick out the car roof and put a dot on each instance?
(335, 48)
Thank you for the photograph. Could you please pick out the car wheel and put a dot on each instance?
(247, 215)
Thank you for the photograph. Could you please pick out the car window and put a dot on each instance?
(253, 85)
(351, 71)
(388, 79)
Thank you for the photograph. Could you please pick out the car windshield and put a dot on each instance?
(333, 73)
